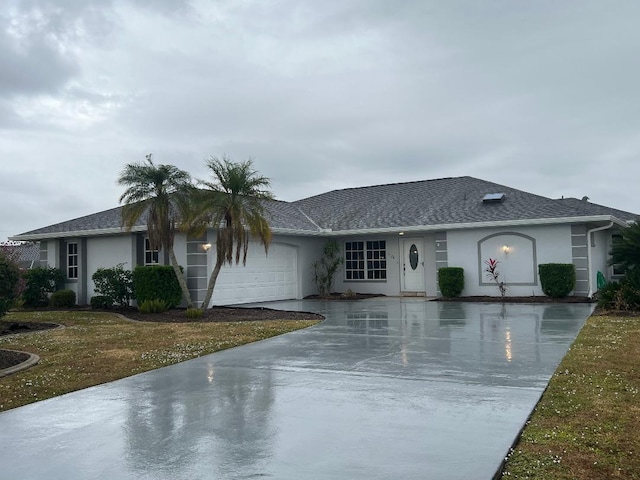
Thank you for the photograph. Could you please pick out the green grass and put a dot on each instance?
(587, 423)
(95, 348)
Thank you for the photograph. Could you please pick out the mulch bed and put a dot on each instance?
(218, 314)
(9, 358)
(9, 328)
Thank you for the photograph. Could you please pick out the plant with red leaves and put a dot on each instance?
(493, 274)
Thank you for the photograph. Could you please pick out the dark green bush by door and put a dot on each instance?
(557, 279)
(451, 281)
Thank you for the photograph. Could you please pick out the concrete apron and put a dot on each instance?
(393, 388)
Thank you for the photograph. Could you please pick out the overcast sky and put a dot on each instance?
(540, 96)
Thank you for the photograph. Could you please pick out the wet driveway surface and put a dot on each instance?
(385, 388)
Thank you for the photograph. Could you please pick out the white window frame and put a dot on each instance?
(72, 260)
(151, 256)
(365, 261)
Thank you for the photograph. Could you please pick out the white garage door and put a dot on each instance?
(264, 278)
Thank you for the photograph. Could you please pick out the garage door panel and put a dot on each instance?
(264, 278)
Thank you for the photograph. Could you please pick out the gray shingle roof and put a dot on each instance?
(26, 255)
(282, 215)
(588, 208)
(444, 201)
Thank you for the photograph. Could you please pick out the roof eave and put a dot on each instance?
(363, 231)
(76, 233)
(469, 225)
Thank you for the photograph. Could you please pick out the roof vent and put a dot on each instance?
(493, 198)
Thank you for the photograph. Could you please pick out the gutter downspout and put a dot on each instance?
(589, 232)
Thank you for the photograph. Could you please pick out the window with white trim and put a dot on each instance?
(616, 270)
(365, 260)
(72, 260)
(150, 254)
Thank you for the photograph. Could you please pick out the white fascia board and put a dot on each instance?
(77, 233)
(474, 225)
(364, 231)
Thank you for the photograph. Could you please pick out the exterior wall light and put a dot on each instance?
(506, 249)
(206, 247)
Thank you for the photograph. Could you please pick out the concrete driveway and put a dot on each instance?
(385, 388)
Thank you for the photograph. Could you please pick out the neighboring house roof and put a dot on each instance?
(455, 202)
(27, 255)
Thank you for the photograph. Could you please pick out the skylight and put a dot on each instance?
(493, 198)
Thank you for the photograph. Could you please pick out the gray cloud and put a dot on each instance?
(539, 96)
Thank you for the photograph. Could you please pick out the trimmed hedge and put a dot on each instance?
(557, 279)
(156, 282)
(63, 298)
(451, 281)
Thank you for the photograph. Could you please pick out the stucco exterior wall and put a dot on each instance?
(390, 286)
(599, 249)
(107, 252)
(528, 247)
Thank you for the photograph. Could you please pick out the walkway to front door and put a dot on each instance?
(385, 388)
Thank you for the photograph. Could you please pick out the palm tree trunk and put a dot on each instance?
(180, 276)
(211, 285)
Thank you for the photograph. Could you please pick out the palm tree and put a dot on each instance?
(234, 205)
(162, 193)
(625, 251)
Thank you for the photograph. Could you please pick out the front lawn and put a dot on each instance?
(95, 348)
(587, 424)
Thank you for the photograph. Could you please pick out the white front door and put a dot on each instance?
(412, 265)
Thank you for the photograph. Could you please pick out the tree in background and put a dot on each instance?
(162, 193)
(9, 279)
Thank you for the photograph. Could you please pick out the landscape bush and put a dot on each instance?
(153, 306)
(451, 281)
(622, 295)
(324, 270)
(101, 302)
(557, 279)
(41, 281)
(63, 298)
(9, 279)
(156, 282)
(115, 284)
(193, 313)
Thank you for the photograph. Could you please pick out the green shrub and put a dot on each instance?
(63, 298)
(101, 302)
(156, 282)
(557, 279)
(193, 313)
(451, 281)
(41, 281)
(115, 284)
(9, 279)
(153, 306)
(325, 269)
(622, 295)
